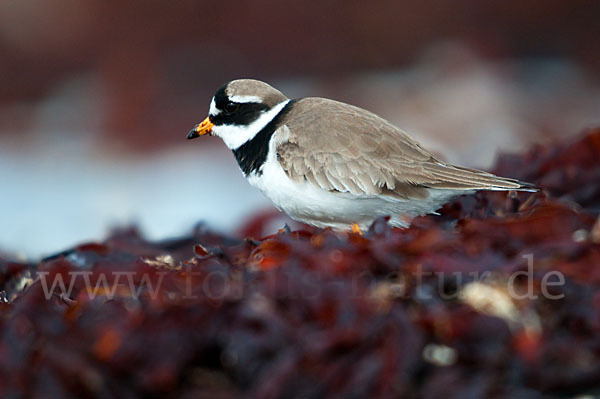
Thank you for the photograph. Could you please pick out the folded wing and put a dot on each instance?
(348, 149)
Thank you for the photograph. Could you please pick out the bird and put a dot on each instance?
(331, 164)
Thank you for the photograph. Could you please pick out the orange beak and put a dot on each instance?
(200, 130)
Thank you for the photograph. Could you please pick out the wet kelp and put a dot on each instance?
(498, 296)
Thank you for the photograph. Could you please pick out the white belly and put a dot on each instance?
(310, 204)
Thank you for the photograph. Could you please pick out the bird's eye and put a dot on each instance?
(230, 108)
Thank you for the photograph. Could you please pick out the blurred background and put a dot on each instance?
(97, 96)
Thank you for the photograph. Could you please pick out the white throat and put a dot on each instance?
(234, 136)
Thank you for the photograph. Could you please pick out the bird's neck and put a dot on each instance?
(252, 154)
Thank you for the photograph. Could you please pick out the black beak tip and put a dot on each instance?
(192, 134)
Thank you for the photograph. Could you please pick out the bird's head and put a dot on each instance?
(239, 110)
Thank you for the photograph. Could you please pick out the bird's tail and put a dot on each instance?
(461, 178)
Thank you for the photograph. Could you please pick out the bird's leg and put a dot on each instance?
(356, 229)
(284, 229)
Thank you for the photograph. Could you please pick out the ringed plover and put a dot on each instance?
(331, 164)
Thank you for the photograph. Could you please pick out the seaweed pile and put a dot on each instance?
(498, 296)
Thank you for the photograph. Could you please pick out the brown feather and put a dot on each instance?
(345, 148)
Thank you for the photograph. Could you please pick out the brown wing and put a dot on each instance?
(344, 148)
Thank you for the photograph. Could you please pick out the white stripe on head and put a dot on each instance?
(213, 111)
(245, 99)
(234, 135)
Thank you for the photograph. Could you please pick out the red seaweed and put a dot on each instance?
(498, 296)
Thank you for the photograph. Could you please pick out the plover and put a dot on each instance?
(331, 164)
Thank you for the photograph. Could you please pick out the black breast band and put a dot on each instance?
(252, 154)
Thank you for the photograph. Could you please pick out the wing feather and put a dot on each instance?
(338, 147)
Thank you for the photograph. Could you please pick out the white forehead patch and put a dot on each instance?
(213, 108)
(234, 136)
(245, 99)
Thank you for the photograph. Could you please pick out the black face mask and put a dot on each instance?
(232, 113)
